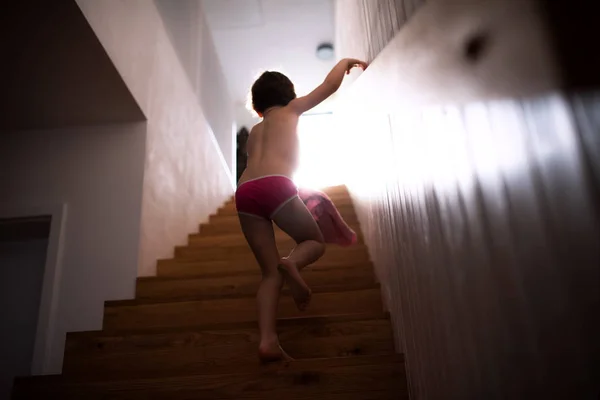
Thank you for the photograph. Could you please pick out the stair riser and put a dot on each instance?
(238, 240)
(233, 222)
(234, 228)
(348, 214)
(243, 252)
(247, 264)
(242, 285)
(234, 310)
(181, 268)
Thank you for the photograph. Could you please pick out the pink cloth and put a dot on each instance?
(334, 228)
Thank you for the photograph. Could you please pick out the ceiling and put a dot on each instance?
(252, 36)
(55, 73)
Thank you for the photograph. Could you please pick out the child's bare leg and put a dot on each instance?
(260, 236)
(295, 220)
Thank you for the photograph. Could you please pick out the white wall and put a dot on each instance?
(188, 30)
(98, 172)
(186, 176)
(480, 214)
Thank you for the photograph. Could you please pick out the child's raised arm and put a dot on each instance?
(329, 86)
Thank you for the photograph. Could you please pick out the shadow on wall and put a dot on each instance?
(242, 151)
(57, 75)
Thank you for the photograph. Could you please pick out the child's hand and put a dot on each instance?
(352, 62)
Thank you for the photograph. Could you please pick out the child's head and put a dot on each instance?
(270, 90)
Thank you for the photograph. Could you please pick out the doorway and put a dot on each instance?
(23, 253)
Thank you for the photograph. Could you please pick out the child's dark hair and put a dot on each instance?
(270, 90)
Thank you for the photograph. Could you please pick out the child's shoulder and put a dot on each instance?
(256, 127)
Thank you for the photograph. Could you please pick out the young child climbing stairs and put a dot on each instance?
(266, 194)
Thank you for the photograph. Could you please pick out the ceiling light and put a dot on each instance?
(325, 51)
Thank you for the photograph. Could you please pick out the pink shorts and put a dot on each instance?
(263, 197)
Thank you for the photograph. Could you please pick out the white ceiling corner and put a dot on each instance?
(233, 14)
(252, 36)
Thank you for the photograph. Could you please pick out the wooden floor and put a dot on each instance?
(191, 331)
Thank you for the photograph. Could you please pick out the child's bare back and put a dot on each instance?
(273, 145)
(267, 194)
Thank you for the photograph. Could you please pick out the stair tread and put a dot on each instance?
(296, 380)
(180, 356)
(243, 283)
(291, 366)
(290, 329)
(239, 308)
(159, 338)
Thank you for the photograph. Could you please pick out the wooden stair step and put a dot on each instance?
(244, 284)
(138, 316)
(238, 239)
(252, 294)
(371, 337)
(231, 224)
(92, 343)
(234, 227)
(330, 378)
(183, 268)
(236, 242)
(234, 254)
(219, 359)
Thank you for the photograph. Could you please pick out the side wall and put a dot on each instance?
(186, 176)
(481, 214)
(98, 173)
(365, 27)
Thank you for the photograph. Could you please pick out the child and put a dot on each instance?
(266, 193)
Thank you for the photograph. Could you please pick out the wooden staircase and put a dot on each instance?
(191, 331)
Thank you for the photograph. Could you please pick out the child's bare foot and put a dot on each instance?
(272, 354)
(300, 290)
